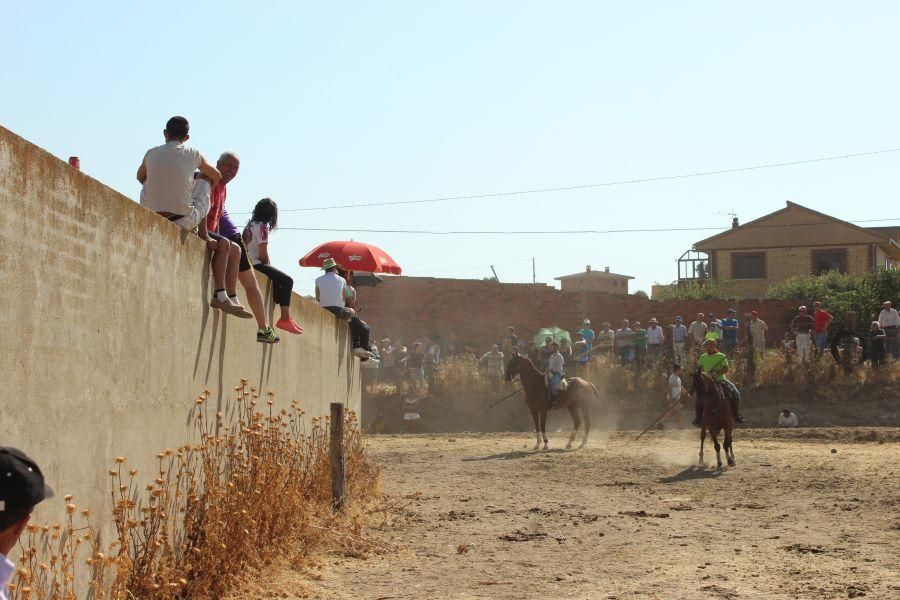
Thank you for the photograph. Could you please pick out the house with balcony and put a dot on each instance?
(789, 242)
(595, 281)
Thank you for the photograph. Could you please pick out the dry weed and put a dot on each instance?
(255, 487)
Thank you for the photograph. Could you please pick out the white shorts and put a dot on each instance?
(411, 417)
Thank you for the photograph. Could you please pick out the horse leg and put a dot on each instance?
(718, 447)
(543, 419)
(537, 428)
(586, 415)
(702, 440)
(576, 423)
(729, 451)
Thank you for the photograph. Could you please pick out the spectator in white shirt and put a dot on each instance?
(655, 339)
(332, 293)
(23, 487)
(787, 419)
(890, 322)
(697, 331)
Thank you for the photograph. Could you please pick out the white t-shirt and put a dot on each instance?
(170, 177)
(675, 386)
(889, 318)
(556, 362)
(789, 421)
(255, 233)
(331, 288)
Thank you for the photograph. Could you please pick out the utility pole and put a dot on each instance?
(495, 274)
(533, 272)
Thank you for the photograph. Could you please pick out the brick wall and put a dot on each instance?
(478, 312)
(784, 263)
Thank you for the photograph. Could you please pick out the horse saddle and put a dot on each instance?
(562, 386)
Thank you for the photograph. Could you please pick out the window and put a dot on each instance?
(829, 260)
(748, 265)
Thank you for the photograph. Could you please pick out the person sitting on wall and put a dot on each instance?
(331, 293)
(174, 189)
(715, 364)
(22, 489)
(256, 237)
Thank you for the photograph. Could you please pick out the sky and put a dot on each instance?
(366, 102)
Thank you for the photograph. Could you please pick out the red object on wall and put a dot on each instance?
(353, 256)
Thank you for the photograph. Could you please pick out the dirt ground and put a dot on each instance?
(808, 513)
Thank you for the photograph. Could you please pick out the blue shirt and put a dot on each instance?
(588, 335)
(729, 334)
(679, 333)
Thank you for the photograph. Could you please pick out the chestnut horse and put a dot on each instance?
(577, 398)
(716, 415)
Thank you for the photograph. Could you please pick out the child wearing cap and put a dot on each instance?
(23, 488)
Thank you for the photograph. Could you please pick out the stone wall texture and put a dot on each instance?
(478, 312)
(108, 337)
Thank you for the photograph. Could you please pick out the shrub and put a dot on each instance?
(252, 488)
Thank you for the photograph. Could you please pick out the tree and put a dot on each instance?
(641, 294)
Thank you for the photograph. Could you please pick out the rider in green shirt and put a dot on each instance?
(715, 363)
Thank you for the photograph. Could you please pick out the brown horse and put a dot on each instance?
(577, 398)
(716, 415)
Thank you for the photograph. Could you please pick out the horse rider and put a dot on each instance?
(715, 364)
(555, 369)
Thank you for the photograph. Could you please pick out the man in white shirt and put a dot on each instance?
(331, 293)
(167, 174)
(22, 488)
(555, 368)
(655, 339)
(757, 328)
(697, 331)
(787, 419)
(890, 322)
(674, 390)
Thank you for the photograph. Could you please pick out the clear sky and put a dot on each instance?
(355, 102)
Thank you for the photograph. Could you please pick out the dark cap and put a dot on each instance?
(21, 481)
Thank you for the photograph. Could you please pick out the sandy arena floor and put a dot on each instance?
(488, 518)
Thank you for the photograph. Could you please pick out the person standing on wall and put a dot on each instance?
(890, 322)
(22, 489)
(256, 237)
(877, 338)
(219, 222)
(802, 327)
(821, 320)
(331, 293)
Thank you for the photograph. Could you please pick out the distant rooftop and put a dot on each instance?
(589, 273)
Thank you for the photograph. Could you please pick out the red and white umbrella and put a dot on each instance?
(352, 256)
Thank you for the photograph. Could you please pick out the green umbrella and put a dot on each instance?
(555, 333)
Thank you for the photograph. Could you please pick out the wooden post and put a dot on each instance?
(336, 447)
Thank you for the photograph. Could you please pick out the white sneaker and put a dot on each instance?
(372, 363)
(361, 352)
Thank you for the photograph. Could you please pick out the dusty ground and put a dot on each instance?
(488, 518)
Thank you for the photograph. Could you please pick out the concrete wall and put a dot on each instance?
(107, 333)
(477, 312)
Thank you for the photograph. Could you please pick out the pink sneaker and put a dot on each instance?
(289, 325)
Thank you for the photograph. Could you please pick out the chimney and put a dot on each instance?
(588, 269)
(607, 269)
(734, 223)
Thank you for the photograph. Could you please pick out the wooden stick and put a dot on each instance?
(336, 448)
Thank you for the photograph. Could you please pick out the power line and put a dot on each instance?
(593, 185)
(568, 231)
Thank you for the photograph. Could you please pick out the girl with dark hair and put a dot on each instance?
(256, 238)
